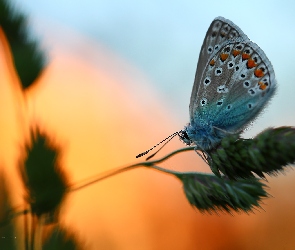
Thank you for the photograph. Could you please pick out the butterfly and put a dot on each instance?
(234, 81)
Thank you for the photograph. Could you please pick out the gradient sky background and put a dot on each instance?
(118, 81)
(163, 39)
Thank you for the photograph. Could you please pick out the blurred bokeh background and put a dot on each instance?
(118, 80)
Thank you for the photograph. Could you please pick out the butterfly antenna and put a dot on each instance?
(167, 138)
(151, 156)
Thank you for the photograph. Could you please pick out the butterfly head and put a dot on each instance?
(204, 137)
(184, 137)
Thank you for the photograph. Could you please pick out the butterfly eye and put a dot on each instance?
(203, 101)
(184, 136)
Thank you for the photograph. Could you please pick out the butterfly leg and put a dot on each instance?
(224, 131)
(205, 156)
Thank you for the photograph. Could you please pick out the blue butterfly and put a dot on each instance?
(233, 83)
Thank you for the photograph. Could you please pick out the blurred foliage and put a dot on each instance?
(269, 152)
(7, 230)
(43, 177)
(62, 239)
(28, 59)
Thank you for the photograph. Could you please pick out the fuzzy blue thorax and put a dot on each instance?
(204, 137)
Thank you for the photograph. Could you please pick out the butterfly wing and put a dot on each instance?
(220, 31)
(238, 80)
(245, 88)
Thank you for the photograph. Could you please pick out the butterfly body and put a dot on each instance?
(233, 83)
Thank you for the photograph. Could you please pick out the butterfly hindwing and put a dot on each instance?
(236, 84)
(251, 88)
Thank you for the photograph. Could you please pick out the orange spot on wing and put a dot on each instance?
(212, 63)
(236, 52)
(223, 57)
(245, 56)
(251, 63)
(262, 86)
(258, 73)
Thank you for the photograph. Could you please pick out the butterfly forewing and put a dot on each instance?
(220, 31)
